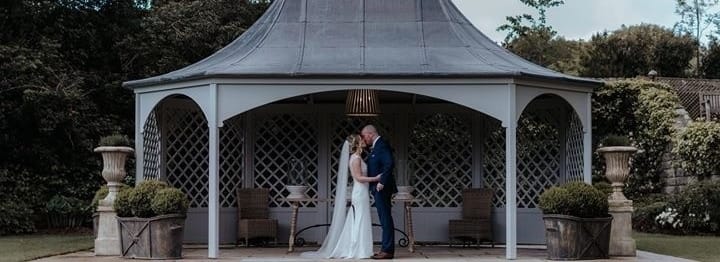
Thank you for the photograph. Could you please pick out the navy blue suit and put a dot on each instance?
(380, 161)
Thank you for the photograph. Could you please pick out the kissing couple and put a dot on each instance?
(350, 233)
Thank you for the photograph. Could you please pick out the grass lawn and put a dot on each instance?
(26, 247)
(699, 248)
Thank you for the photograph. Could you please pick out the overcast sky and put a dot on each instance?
(576, 18)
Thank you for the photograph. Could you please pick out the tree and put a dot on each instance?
(62, 62)
(711, 60)
(635, 50)
(696, 17)
(536, 41)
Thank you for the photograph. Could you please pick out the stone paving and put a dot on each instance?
(423, 253)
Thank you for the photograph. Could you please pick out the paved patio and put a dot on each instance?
(423, 253)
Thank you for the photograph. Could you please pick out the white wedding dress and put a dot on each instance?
(349, 236)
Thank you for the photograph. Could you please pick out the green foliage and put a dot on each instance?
(115, 140)
(62, 63)
(574, 199)
(16, 211)
(635, 50)
(141, 197)
(101, 193)
(519, 25)
(170, 201)
(150, 198)
(694, 210)
(644, 214)
(67, 212)
(710, 67)
(645, 112)
(615, 140)
(122, 204)
(698, 146)
(604, 187)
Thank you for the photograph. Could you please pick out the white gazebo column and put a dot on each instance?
(511, 178)
(587, 141)
(139, 141)
(213, 180)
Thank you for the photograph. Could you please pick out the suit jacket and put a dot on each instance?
(380, 161)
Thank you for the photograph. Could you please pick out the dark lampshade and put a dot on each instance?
(362, 102)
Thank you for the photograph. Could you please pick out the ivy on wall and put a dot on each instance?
(645, 112)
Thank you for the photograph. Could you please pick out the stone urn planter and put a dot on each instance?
(113, 172)
(617, 167)
(296, 192)
(577, 223)
(617, 170)
(114, 151)
(151, 221)
(296, 183)
(404, 192)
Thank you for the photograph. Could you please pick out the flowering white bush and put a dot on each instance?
(669, 217)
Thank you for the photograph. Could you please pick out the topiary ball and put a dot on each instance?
(122, 205)
(555, 200)
(575, 199)
(142, 196)
(170, 201)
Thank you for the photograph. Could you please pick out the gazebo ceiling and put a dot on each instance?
(361, 38)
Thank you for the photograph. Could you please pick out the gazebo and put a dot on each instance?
(459, 110)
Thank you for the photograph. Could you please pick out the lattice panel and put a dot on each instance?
(342, 127)
(151, 148)
(538, 155)
(574, 150)
(187, 151)
(232, 160)
(279, 138)
(494, 160)
(440, 159)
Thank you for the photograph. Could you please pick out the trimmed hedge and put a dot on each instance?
(170, 201)
(575, 199)
(699, 148)
(142, 195)
(151, 198)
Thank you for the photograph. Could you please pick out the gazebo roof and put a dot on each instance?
(361, 38)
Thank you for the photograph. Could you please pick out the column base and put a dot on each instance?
(621, 241)
(107, 242)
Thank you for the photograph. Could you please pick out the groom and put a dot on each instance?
(380, 162)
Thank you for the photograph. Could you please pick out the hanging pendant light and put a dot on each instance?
(362, 102)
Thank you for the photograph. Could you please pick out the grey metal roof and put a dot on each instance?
(361, 38)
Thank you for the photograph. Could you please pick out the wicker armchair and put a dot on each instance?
(476, 224)
(253, 213)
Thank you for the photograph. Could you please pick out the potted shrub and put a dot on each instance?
(151, 220)
(577, 223)
(297, 179)
(617, 152)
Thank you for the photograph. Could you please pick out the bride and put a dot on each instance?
(350, 233)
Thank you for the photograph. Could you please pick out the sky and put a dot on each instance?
(576, 19)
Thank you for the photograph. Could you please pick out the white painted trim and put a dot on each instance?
(587, 140)
(213, 176)
(139, 141)
(511, 176)
(577, 100)
(487, 99)
(198, 94)
(323, 81)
